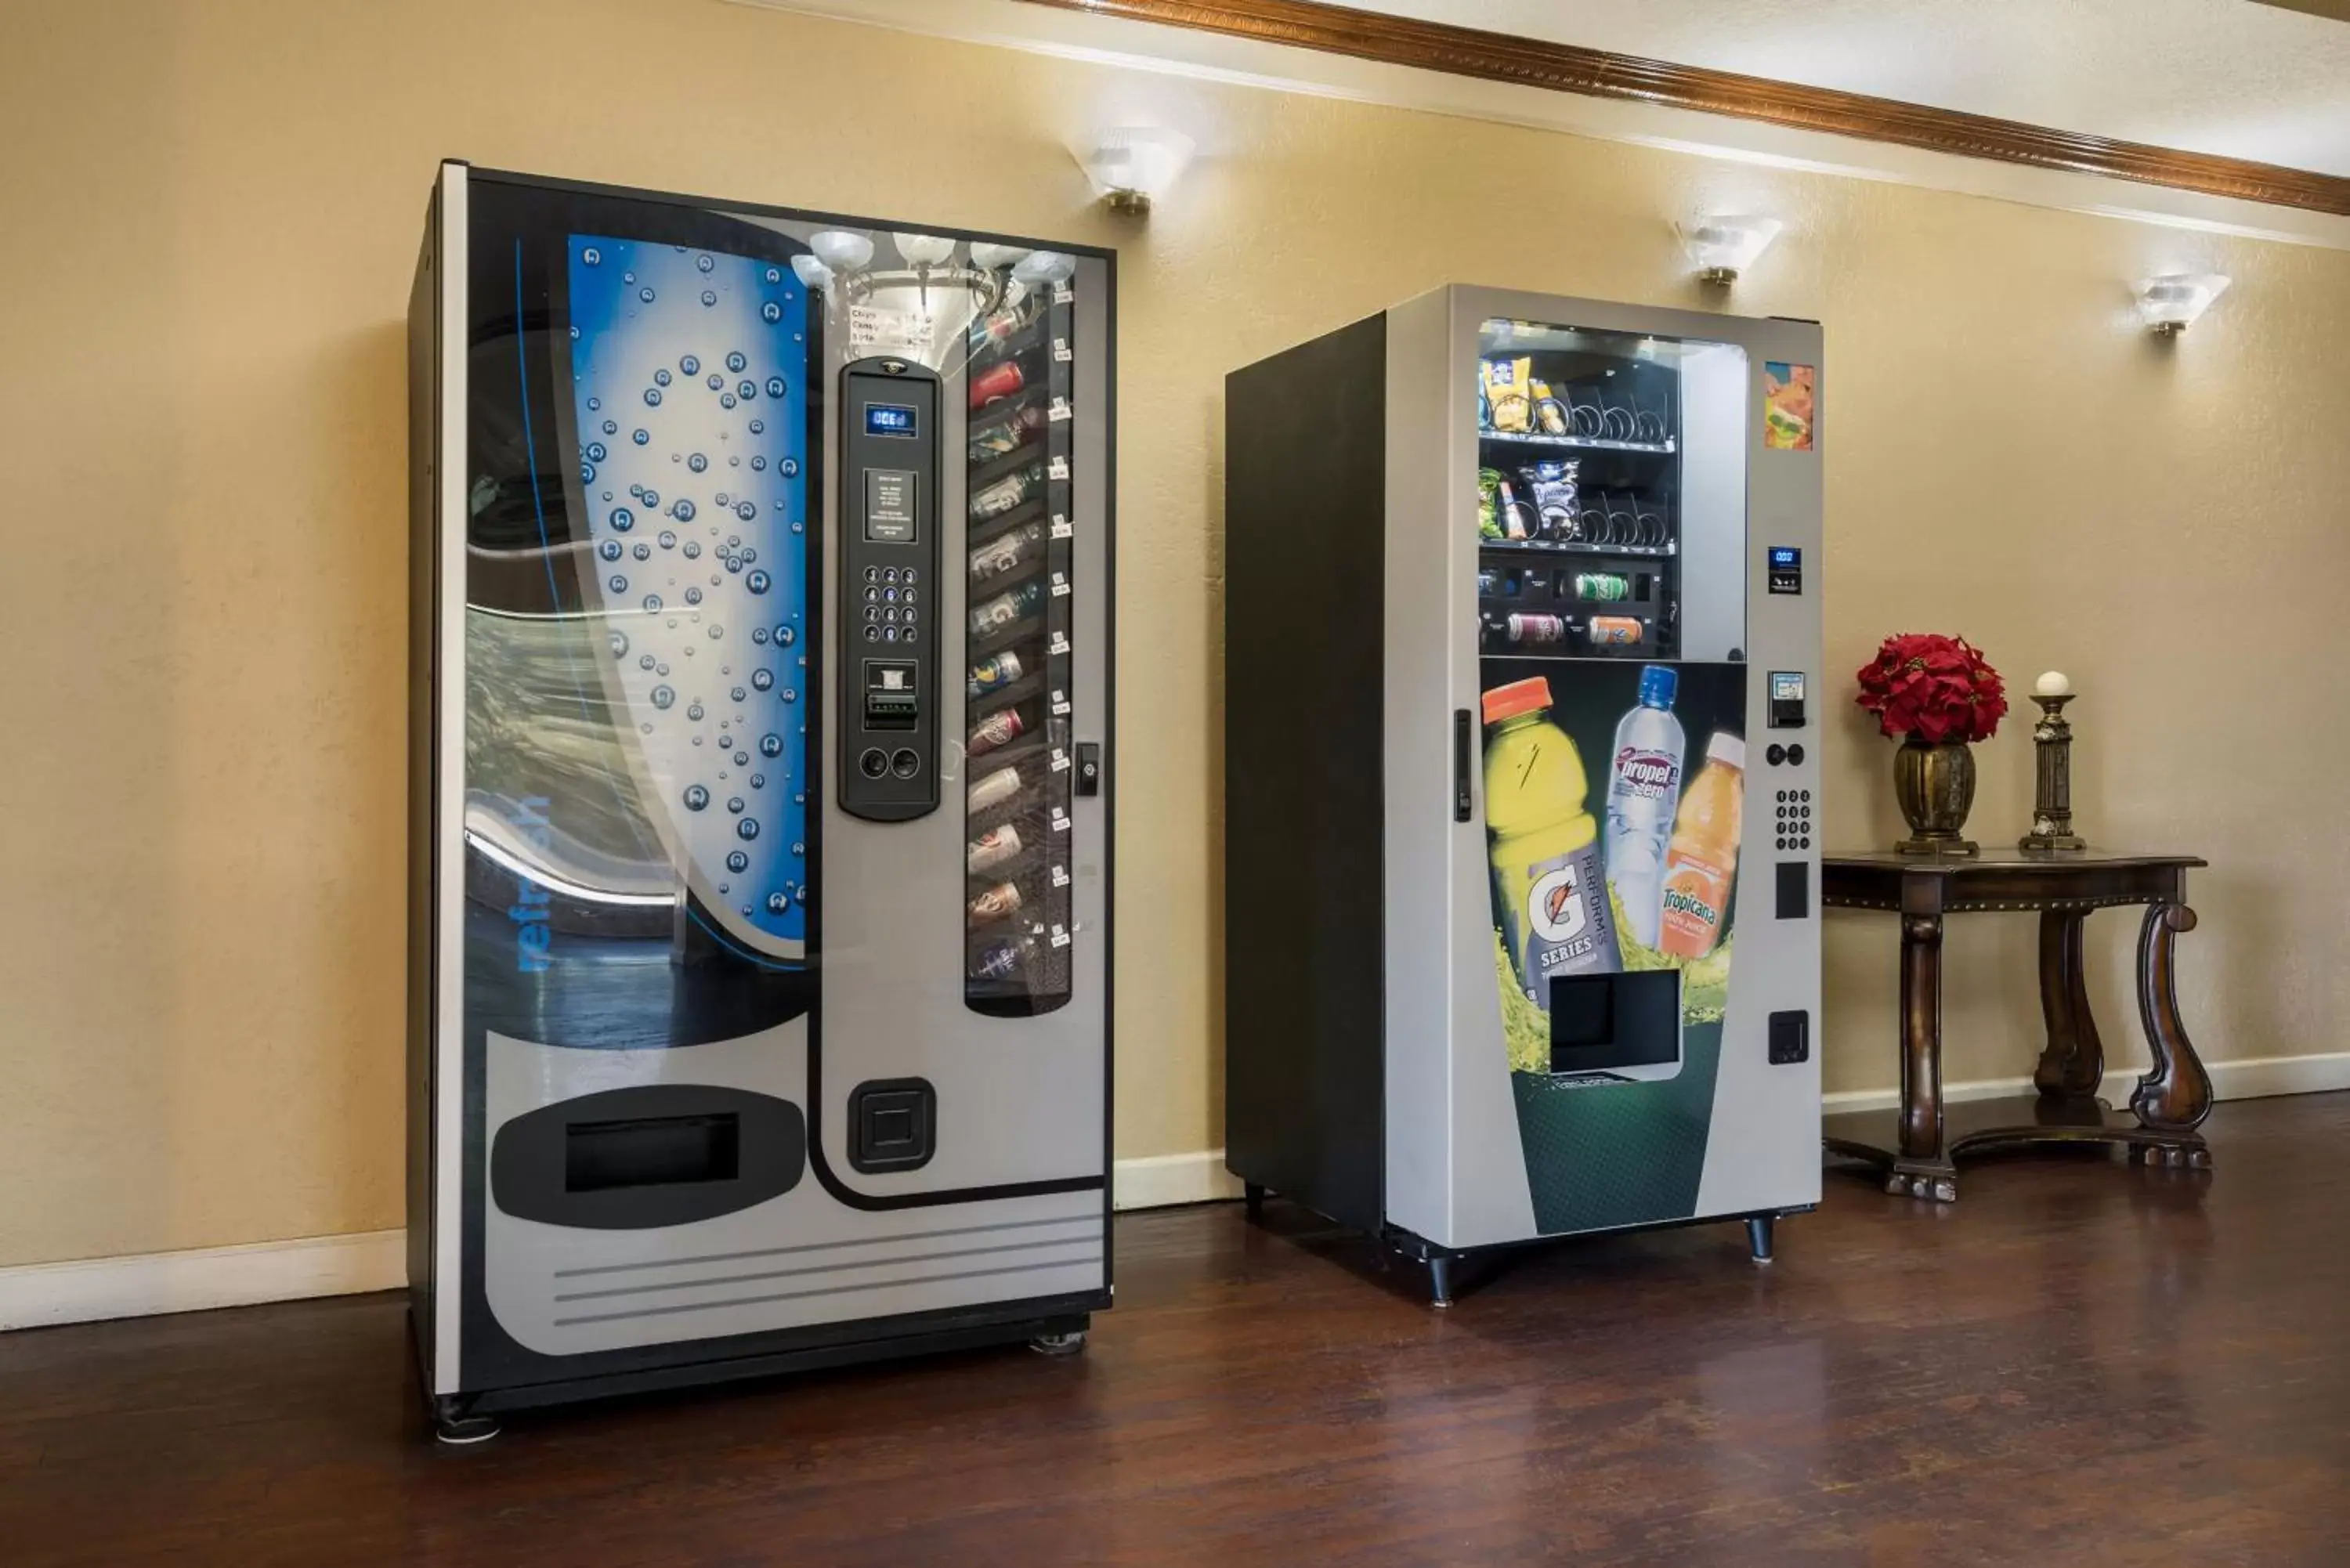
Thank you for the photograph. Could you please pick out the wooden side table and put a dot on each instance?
(1917, 1146)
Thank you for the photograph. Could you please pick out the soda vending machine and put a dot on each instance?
(759, 900)
(1522, 632)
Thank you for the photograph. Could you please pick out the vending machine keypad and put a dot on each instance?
(889, 556)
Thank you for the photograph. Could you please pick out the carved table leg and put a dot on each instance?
(1924, 1168)
(2176, 1095)
(2073, 1065)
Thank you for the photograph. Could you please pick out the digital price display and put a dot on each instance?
(889, 420)
(1786, 569)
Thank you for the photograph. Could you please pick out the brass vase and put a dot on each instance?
(1935, 784)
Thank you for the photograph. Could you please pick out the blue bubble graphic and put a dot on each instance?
(775, 275)
(663, 696)
(734, 361)
(592, 256)
(775, 388)
(716, 382)
(587, 473)
(758, 426)
(652, 603)
(619, 584)
(610, 549)
(771, 745)
(709, 297)
(696, 462)
(758, 582)
(703, 263)
(779, 903)
(738, 861)
(690, 365)
(748, 828)
(646, 294)
(596, 453)
(611, 427)
(683, 511)
(726, 399)
(694, 595)
(772, 312)
(763, 678)
(785, 636)
(649, 496)
(696, 798)
(623, 519)
(645, 662)
(693, 549)
(693, 711)
(789, 468)
(641, 436)
(617, 641)
(758, 464)
(668, 539)
(746, 511)
(759, 633)
(652, 400)
(660, 378)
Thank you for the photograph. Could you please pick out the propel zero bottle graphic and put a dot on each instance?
(1545, 845)
(1644, 785)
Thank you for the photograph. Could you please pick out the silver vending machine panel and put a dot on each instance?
(759, 935)
(1540, 558)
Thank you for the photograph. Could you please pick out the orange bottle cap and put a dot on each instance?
(1518, 697)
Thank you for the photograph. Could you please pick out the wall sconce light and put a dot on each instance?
(1722, 246)
(1133, 165)
(2170, 304)
(841, 251)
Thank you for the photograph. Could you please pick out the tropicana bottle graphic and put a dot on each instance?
(1547, 885)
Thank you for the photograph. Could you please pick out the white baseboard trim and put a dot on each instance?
(2254, 1078)
(1163, 1181)
(35, 1295)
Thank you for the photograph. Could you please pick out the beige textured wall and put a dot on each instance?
(213, 210)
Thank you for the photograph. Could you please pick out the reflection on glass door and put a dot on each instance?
(1017, 650)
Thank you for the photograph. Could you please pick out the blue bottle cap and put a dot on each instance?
(1659, 683)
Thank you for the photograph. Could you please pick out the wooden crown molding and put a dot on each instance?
(1596, 73)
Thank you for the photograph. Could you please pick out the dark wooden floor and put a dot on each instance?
(2081, 1362)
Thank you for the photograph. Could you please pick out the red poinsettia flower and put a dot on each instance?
(1933, 687)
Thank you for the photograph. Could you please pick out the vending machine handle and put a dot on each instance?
(1462, 733)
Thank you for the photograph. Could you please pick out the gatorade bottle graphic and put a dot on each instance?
(1544, 844)
(1644, 784)
(1702, 862)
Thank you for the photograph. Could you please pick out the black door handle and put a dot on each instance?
(1462, 733)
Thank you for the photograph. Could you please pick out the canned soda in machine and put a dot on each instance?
(1538, 629)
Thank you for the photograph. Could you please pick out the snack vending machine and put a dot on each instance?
(1521, 633)
(759, 894)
